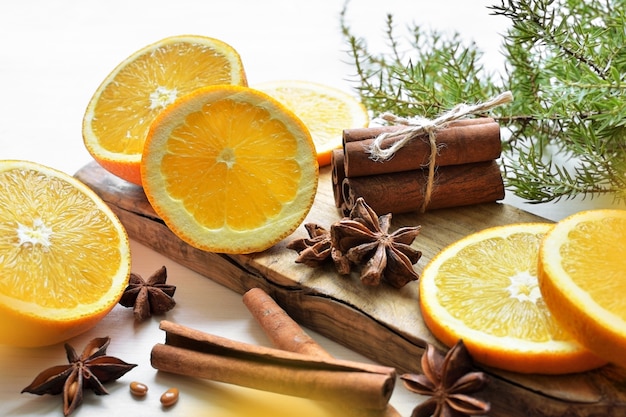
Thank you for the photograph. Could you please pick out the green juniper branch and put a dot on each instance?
(565, 63)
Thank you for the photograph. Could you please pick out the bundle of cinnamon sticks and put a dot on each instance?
(465, 168)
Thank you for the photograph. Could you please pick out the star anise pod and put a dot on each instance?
(447, 380)
(364, 239)
(317, 248)
(89, 370)
(149, 297)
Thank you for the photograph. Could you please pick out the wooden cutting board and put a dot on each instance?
(381, 323)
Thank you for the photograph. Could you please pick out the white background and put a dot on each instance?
(55, 54)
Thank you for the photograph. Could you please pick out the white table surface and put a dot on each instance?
(54, 55)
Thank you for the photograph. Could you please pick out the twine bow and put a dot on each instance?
(417, 127)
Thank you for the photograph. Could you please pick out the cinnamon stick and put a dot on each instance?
(462, 142)
(357, 134)
(282, 330)
(401, 192)
(197, 354)
(338, 174)
(286, 334)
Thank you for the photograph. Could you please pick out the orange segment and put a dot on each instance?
(65, 257)
(326, 111)
(581, 275)
(121, 110)
(483, 289)
(229, 169)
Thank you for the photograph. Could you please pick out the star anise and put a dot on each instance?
(149, 297)
(89, 370)
(364, 239)
(447, 380)
(317, 248)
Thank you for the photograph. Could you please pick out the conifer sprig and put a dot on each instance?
(565, 63)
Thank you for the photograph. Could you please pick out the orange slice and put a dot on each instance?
(121, 110)
(483, 289)
(229, 169)
(64, 256)
(581, 275)
(326, 111)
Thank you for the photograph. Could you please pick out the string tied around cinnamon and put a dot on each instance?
(419, 126)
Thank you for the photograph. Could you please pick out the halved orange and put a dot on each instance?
(229, 169)
(483, 289)
(325, 111)
(64, 256)
(582, 264)
(121, 110)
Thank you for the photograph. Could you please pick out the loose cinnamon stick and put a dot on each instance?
(282, 330)
(466, 141)
(197, 354)
(286, 334)
(455, 185)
